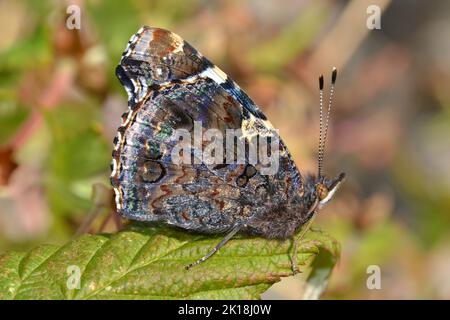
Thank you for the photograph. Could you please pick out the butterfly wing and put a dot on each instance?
(173, 88)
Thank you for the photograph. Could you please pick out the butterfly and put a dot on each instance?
(172, 88)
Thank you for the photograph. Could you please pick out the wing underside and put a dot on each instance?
(172, 87)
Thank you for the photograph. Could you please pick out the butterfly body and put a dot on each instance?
(172, 88)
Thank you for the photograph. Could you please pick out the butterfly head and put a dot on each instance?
(319, 191)
(325, 189)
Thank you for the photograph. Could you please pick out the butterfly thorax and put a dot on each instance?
(282, 219)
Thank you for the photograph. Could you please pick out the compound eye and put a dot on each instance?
(321, 191)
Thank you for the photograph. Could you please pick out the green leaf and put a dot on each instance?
(147, 262)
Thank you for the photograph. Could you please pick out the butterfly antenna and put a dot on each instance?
(320, 156)
(323, 130)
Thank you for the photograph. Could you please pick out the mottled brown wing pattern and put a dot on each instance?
(170, 87)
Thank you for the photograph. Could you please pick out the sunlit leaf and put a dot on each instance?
(147, 262)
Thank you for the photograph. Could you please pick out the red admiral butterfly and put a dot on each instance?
(172, 88)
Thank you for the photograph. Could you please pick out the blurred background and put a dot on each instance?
(60, 104)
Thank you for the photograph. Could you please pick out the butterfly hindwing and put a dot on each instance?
(171, 86)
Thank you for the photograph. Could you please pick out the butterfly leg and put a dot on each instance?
(296, 242)
(102, 197)
(217, 247)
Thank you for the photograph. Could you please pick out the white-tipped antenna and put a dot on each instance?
(320, 124)
(323, 128)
